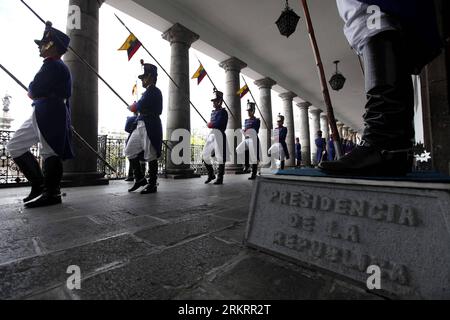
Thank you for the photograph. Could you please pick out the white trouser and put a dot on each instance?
(358, 18)
(277, 151)
(138, 142)
(251, 145)
(214, 145)
(27, 136)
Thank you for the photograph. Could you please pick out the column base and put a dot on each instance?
(234, 168)
(83, 179)
(178, 174)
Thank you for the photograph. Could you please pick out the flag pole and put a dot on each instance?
(162, 68)
(73, 129)
(226, 105)
(323, 82)
(255, 102)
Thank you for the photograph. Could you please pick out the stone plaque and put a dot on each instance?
(345, 227)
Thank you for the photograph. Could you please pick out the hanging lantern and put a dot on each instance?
(287, 22)
(337, 81)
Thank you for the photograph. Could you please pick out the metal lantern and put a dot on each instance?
(337, 81)
(287, 22)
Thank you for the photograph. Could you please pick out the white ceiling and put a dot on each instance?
(246, 29)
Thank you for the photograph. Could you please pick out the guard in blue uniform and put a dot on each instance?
(130, 126)
(147, 137)
(279, 137)
(348, 146)
(252, 123)
(331, 151)
(405, 40)
(321, 144)
(219, 121)
(50, 123)
(298, 153)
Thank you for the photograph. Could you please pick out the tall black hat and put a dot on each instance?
(149, 69)
(218, 95)
(60, 39)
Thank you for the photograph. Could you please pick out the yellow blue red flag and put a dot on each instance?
(132, 45)
(200, 74)
(243, 91)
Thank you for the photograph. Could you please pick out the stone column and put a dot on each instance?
(315, 126)
(233, 67)
(324, 127)
(340, 127)
(179, 110)
(305, 139)
(436, 97)
(265, 86)
(83, 170)
(288, 112)
(345, 132)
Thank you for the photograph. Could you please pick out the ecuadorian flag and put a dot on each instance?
(200, 74)
(132, 45)
(244, 90)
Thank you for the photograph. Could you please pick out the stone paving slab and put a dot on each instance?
(233, 234)
(162, 275)
(62, 234)
(168, 235)
(32, 275)
(256, 276)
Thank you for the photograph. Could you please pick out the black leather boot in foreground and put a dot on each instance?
(366, 160)
(152, 186)
(211, 175)
(138, 175)
(221, 173)
(30, 168)
(254, 172)
(389, 128)
(53, 171)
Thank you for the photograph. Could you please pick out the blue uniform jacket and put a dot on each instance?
(418, 18)
(50, 90)
(255, 124)
(298, 151)
(321, 144)
(219, 121)
(252, 123)
(150, 107)
(331, 151)
(282, 134)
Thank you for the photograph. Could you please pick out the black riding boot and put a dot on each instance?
(211, 175)
(30, 168)
(53, 172)
(152, 186)
(221, 173)
(246, 168)
(139, 178)
(389, 128)
(282, 164)
(130, 176)
(254, 172)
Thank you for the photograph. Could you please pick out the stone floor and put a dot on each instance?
(185, 242)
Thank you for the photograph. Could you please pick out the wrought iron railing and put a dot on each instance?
(9, 172)
(110, 148)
